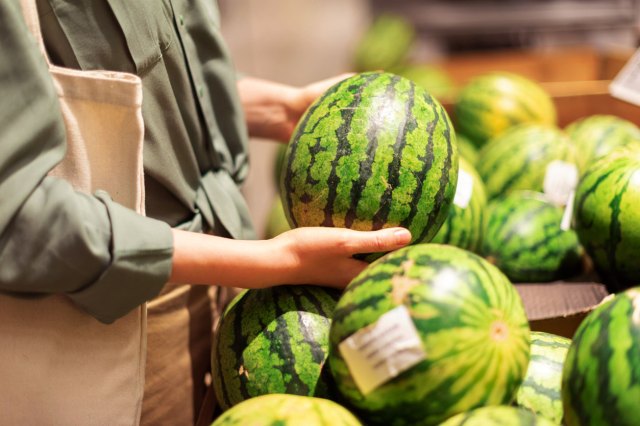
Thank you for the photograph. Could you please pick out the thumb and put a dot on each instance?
(376, 241)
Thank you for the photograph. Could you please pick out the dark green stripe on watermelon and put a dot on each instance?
(601, 378)
(374, 151)
(273, 341)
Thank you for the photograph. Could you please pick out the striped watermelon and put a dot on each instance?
(497, 416)
(524, 238)
(284, 410)
(385, 44)
(276, 221)
(463, 227)
(491, 103)
(520, 158)
(470, 325)
(273, 340)
(467, 149)
(598, 135)
(607, 217)
(601, 376)
(540, 391)
(374, 151)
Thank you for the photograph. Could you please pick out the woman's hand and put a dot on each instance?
(272, 110)
(320, 256)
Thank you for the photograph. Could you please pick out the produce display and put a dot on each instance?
(374, 151)
(598, 135)
(498, 416)
(273, 340)
(491, 103)
(464, 225)
(524, 237)
(607, 217)
(601, 377)
(523, 157)
(287, 410)
(468, 320)
(540, 392)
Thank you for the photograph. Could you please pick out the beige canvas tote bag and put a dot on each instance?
(58, 365)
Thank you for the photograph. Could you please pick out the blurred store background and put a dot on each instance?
(301, 41)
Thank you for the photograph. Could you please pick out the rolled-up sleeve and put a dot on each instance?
(54, 240)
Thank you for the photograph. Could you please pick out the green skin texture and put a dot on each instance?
(518, 159)
(374, 151)
(471, 322)
(498, 416)
(385, 44)
(276, 221)
(490, 104)
(607, 218)
(273, 340)
(282, 410)
(598, 135)
(540, 391)
(523, 238)
(467, 149)
(463, 227)
(601, 377)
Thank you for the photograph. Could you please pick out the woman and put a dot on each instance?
(108, 260)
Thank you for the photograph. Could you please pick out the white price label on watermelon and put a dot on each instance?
(560, 180)
(382, 350)
(464, 189)
(565, 225)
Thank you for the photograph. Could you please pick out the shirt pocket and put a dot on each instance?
(147, 27)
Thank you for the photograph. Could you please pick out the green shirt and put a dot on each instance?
(102, 255)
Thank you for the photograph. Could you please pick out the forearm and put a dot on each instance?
(267, 107)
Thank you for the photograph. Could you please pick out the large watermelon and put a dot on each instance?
(469, 336)
(601, 376)
(523, 157)
(497, 416)
(607, 217)
(463, 227)
(374, 151)
(287, 410)
(385, 44)
(540, 391)
(524, 237)
(597, 135)
(430, 77)
(273, 340)
(491, 103)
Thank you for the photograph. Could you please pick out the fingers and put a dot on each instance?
(374, 241)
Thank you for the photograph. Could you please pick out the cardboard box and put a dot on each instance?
(578, 81)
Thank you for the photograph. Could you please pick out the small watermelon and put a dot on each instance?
(467, 149)
(463, 227)
(607, 217)
(273, 340)
(374, 151)
(597, 135)
(456, 317)
(432, 78)
(385, 44)
(526, 156)
(540, 391)
(276, 221)
(498, 416)
(524, 238)
(491, 103)
(601, 375)
(284, 410)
